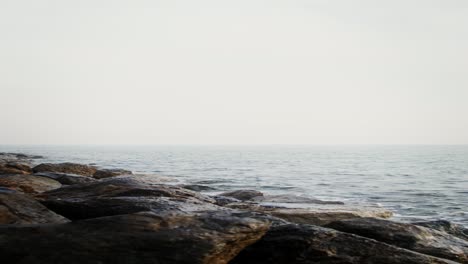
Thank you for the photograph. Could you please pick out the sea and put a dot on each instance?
(416, 182)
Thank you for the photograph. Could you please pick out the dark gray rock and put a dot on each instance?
(416, 238)
(66, 179)
(223, 200)
(197, 187)
(123, 187)
(107, 173)
(447, 227)
(142, 238)
(67, 167)
(123, 195)
(20, 209)
(28, 183)
(243, 195)
(306, 244)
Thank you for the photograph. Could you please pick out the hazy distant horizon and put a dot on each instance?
(246, 72)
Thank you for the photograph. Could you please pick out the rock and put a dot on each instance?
(447, 227)
(15, 168)
(93, 207)
(21, 209)
(106, 173)
(124, 187)
(197, 187)
(317, 214)
(242, 195)
(123, 195)
(278, 199)
(143, 238)
(28, 183)
(71, 168)
(66, 179)
(304, 244)
(404, 235)
(223, 200)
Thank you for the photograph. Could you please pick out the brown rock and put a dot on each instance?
(71, 168)
(447, 227)
(66, 179)
(20, 209)
(15, 168)
(28, 183)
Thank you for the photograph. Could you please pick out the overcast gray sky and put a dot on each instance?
(234, 72)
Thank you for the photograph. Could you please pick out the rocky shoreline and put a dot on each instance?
(77, 213)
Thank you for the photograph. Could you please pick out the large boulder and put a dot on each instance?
(315, 214)
(124, 187)
(28, 183)
(66, 179)
(124, 195)
(447, 227)
(68, 167)
(304, 244)
(20, 209)
(243, 195)
(142, 238)
(15, 168)
(417, 238)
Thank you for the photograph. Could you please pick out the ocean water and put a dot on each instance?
(416, 182)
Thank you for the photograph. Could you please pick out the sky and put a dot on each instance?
(234, 72)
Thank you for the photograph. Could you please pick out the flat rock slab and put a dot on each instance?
(306, 244)
(416, 238)
(208, 238)
(317, 214)
(20, 209)
(28, 183)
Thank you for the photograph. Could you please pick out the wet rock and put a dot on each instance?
(28, 183)
(20, 209)
(447, 227)
(15, 168)
(303, 244)
(106, 173)
(66, 179)
(223, 200)
(197, 187)
(317, 214)
(93, 207)
(412, 237)
(208, 238)
(291, 199)
(71, 168)
(242, 195)
(123, 195)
